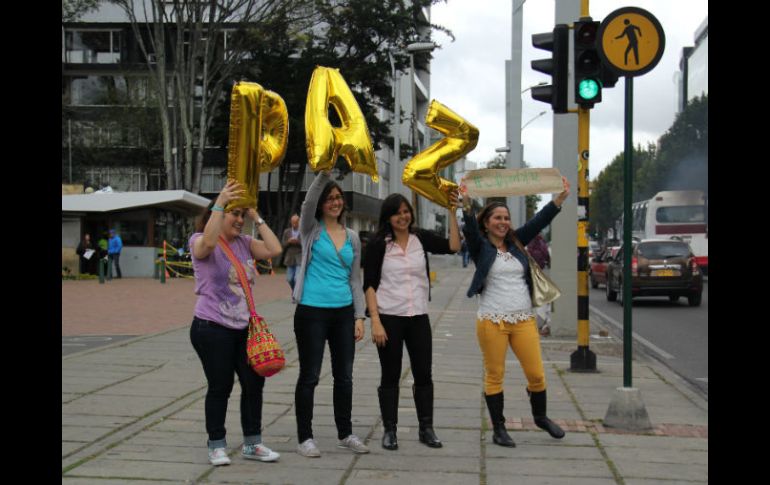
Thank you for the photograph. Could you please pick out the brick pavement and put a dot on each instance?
(140, 306)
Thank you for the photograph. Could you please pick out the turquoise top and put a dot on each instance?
(327, 282)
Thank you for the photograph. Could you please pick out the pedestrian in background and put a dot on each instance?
(87, 252)
(538, 248)
(115, 246)
(464, 251)
(221, 318)
(330, 307)
(292, 250)
(505, 317)
(397, 289)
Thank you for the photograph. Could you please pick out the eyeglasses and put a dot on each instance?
(334, 198)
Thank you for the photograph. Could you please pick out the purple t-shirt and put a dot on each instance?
(220, 295)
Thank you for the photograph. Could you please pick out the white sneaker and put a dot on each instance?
(354, 443)
(259, 452)
(309, 449)
(218, 456)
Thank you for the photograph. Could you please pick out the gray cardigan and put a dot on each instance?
(310, 230)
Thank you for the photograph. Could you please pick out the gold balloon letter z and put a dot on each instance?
(421, 173)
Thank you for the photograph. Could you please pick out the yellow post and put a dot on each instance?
(583, 360)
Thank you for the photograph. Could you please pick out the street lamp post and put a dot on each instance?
(412, 49)
(396, 163)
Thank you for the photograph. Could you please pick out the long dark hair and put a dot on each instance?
(486, 213)
(319, 210)
(389, 208)
(203, 217)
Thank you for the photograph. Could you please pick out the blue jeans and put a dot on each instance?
(291, 275)
(313, 326)
(222, 352)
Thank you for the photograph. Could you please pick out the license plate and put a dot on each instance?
(665, 272)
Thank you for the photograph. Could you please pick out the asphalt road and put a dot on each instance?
(674, 333)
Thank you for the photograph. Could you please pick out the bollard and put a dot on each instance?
(163, 271)
(101, 271)
(155, 274)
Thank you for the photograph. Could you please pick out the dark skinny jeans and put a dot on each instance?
(415, 332)
(313, 326)
(222, 352)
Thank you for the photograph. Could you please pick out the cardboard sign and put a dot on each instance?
(501, 182)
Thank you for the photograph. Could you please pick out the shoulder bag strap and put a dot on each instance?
(241, 274)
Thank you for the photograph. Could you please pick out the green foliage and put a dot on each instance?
(679, 161)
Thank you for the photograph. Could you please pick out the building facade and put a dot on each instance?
(111, 133)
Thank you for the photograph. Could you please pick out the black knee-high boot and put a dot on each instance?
(423, 401)
(389, 410)
(538, 402)
(495, 404)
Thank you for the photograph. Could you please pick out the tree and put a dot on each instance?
(72, 10)
(354, 36)
(679, 161)
(190, 54)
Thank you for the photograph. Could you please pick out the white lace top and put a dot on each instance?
(506, 295)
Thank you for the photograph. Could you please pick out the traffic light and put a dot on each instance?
(557, 42)
(587, 64)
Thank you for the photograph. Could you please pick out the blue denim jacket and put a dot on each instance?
(483, 252)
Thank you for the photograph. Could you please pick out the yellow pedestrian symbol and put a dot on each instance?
(631, 41)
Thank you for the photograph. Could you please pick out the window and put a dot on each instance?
(92, 46)
(681, 214)
(98, 91)
(130, 179)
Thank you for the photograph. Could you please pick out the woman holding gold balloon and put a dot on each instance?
(221, 318)
(505, 316)
(330, 307)
(397, 286)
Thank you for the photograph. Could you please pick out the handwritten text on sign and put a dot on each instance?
(496, 182)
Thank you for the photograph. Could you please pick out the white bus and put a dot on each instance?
(678, 214)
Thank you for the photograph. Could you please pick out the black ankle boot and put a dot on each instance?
(389, 410)
(423, 401)
(538, 402)
(500, 437)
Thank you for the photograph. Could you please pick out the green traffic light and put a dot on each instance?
(588, 89)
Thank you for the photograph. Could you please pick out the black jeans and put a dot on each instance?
(416, 334)
(223, 351)
(313, 326)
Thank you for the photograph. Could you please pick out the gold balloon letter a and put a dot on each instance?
(324, 143)
(259, 137)
(421, 172)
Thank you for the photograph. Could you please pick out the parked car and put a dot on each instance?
(597, 272)
(659, 267)
(593, 250)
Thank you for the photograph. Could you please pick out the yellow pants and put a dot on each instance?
(524, 339)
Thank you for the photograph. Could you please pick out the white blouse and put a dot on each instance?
(404, 286)
(506, 295)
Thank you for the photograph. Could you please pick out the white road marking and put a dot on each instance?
(636, 336)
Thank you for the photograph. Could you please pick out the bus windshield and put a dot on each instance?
(681, 214)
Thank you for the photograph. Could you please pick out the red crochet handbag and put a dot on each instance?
(265, 354)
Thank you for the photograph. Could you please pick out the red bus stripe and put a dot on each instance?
(681, 229)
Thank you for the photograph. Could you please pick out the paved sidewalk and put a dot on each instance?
(132, 412)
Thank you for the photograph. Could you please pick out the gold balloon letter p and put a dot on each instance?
(421, 172)
(259, 137)
(324, 143)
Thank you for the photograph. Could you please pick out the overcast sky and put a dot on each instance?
(468, 75)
